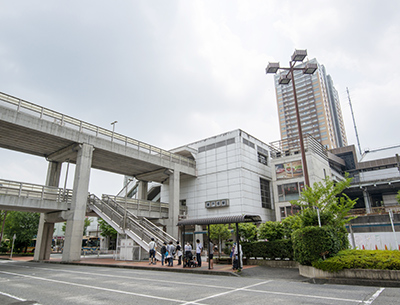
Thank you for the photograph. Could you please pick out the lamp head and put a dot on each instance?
(272, 67)
(310, 68)
(284, 79)
(299, 55)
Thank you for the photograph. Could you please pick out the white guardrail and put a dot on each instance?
(34, 191)
(84, 127)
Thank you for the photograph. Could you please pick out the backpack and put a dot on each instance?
(163, 250)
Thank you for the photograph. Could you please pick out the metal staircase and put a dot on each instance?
(141, 230)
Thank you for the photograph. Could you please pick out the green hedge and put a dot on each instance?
(281, 248)
(361, 259)
(313, 243)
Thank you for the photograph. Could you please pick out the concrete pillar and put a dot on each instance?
(46, 229)
(367, 201)
(142, 190)
(173, 205)
(76, 217)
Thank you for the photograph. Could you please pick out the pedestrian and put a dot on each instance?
(179, 253)
(199, 251)
(152, 251)
(237, 257)
(163, 251)
(211, 254)
(232, 252)
(171, 254)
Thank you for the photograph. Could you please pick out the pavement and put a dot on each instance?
(263, 272)
(253, 271)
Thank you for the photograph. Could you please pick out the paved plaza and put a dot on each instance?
(105, 281)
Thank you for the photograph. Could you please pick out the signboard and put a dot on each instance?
(289, 170)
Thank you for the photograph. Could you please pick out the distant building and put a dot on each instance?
(319, 107)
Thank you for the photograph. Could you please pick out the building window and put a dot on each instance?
(262, 158)
(288, 211)
(265, 194)
(290, 191)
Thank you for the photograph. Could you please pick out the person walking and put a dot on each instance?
(163, 251)
(152, 251)
(171, 253)
(199, 250)
(179, 253)
(211, 254)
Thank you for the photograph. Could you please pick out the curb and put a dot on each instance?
(354, 282)
(189, 270)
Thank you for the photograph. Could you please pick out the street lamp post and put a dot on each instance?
(112, 135)
(284, 79)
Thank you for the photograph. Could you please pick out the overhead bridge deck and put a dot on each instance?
(32, 129)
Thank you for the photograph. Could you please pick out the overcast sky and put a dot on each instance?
(175, 72)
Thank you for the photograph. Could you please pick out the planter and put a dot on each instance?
(365, 274)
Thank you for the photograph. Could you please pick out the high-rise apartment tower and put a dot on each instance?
(319, 108)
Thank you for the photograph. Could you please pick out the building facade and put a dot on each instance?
(319, 107)
(234, 177)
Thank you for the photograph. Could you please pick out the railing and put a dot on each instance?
(374, 210)
(35, 191)
(291, 146)
(142, 229)
(81, 126)
(140, 206)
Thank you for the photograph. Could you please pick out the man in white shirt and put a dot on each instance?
(199, 250)
(152, 252)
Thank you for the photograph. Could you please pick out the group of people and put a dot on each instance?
(169, 251)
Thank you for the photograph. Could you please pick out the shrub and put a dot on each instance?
(269, 249)
(360, 259)
(270, 230)
(313, 243)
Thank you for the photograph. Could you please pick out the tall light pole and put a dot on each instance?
(284, 79)
(113, 125)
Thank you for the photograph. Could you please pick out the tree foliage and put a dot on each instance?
(247, 231)
(24, 225)
(327, 199)
(322, 205)
(270, 230)
(107, 230)
(219, 232)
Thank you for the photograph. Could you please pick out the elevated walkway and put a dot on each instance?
(116, 211)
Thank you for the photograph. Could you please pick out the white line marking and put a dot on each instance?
(305, 296)
(12, 296)
(375, 295)
(129, 277)
(224, 293)
(97, 288)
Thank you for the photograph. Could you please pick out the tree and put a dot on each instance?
(398, 197)
(107, 230)
(247, 231)
(219, 232)
(86, 223)
(270, 230)
(24, 225)
(322, 220)
(327, 199)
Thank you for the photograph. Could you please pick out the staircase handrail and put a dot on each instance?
(132, 227)
(158, 231)
(133, 219)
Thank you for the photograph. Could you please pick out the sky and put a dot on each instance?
(174, 72)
